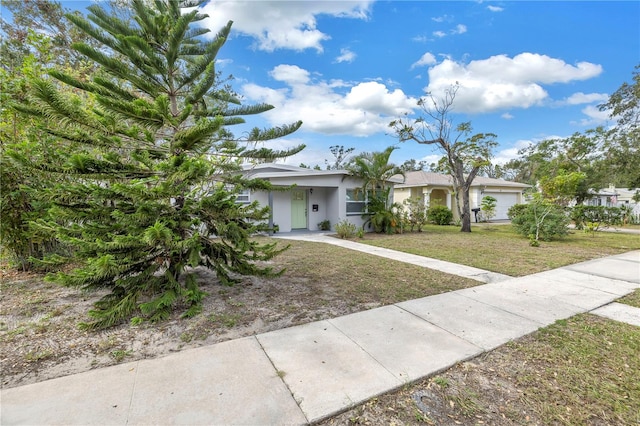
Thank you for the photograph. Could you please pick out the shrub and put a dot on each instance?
(516, 210)
(415, 214)
(325, 225)
(345, 229)
(540, 220)
(440, 215)
(382, 217)
(596, 216)
(488, 207)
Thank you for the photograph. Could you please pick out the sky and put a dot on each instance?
(527, 71)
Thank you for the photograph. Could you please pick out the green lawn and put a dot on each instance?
(498, 248)
(632, 299)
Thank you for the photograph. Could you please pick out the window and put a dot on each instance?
(356, 201)
(243, 197)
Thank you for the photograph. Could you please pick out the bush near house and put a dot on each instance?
(603, 216)
(440, 215)
(345, 229)
(414, 214)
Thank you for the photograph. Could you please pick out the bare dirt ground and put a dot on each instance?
(40, 338)
(39, 320)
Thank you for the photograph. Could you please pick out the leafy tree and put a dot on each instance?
(622, 144)
(154, 189)
(414, 166)
(604, 156)
(465, 154)
(552, 161)
(340, 157)
(44, 18)
(488, 206)
(36, 37)
(563, 187)
(304, 166)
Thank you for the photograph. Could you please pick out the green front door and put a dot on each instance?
(298, 209)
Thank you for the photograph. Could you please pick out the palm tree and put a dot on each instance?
(375, 171)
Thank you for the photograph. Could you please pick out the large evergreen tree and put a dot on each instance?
(154, 186)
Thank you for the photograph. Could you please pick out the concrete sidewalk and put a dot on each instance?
(306, 373)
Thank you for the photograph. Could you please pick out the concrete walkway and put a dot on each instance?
(306, 373)
(426, 262)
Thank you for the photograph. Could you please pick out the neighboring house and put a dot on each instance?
(611, 197)
(318, 195)
(603, 197)
(437, 189)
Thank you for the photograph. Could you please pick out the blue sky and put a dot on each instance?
(527, 70)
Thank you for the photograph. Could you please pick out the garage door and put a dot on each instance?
(505, 200)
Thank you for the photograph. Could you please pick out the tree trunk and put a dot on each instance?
(466, 217)
(462, 189)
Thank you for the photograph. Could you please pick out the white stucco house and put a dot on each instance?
(437, 188)
(318, 195)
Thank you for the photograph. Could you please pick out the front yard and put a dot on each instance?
(581, 371)
(498, 248)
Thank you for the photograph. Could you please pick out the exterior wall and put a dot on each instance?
(282, 210)
(318, 197)
(329, 193)
(401, 194)
(333, 206)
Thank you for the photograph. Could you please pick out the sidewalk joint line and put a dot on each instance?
(276, 370)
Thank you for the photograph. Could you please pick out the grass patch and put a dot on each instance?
(580, 371)
(632, 299)
(363, 278)
(585, 369)
(498, 248)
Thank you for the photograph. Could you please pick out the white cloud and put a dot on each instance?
(346, 55)
(431, 159)
(495, 8)
(425, 60)
(282, 25)
(290, 74)
(330, 107)
(505, 155)
(501, 82)
(595, 117)
(586, 98)
(459, 29)
(507, 116)
(441, 18)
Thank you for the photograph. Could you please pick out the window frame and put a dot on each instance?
(363, 201)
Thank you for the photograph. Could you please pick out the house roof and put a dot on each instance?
(276, 170)
(422, 178)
